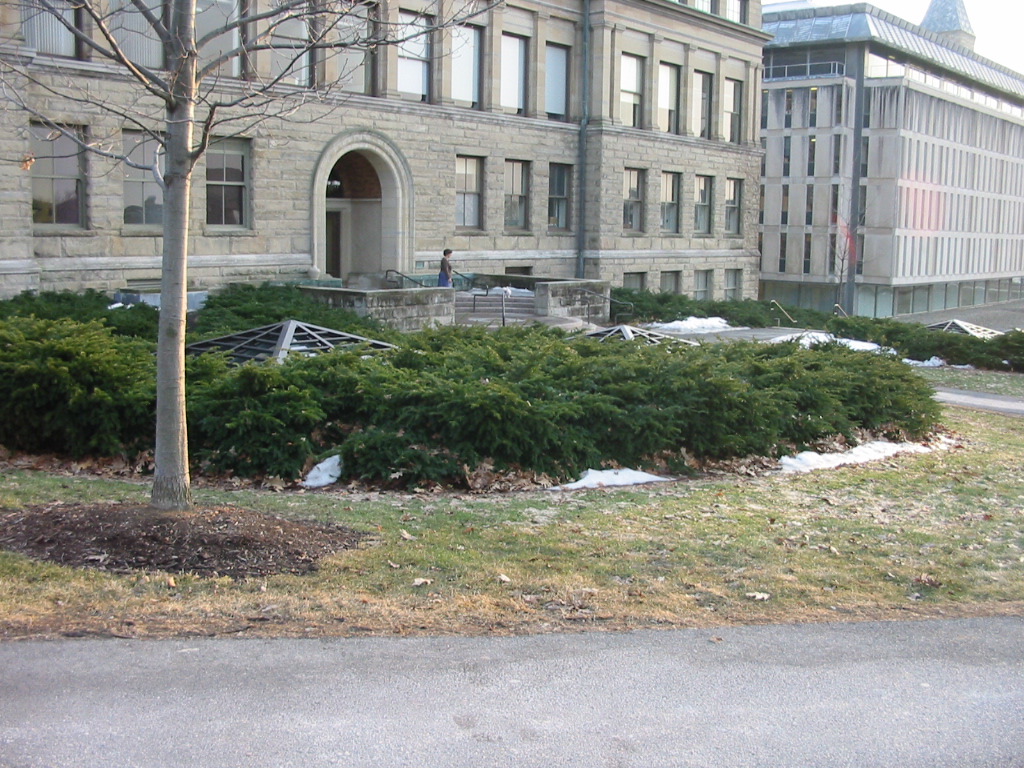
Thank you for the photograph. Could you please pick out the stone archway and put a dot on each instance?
(378, 206)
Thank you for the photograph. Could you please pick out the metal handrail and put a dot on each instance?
(836, 309)
(404, 277)
(610, 300)
(783, 311)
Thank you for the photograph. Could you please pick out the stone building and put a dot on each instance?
(607, 139)
(894, 148)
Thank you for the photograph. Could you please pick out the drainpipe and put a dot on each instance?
(581, 175)
(850, 294)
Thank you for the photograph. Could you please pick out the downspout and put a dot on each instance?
(581, 176)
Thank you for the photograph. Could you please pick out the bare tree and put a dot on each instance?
(179, 66)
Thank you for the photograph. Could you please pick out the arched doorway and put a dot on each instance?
(362, 210)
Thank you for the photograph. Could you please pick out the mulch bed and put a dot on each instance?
(209, 541)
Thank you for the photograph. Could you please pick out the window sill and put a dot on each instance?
(141, 231)
(518, 232)
(213, 230)
(470, 231)
(58, 230)
(560, 232)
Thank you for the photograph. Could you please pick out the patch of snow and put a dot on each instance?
(692, 325)
(604, 478)
(506, 290)
(931, 362)
(877, 449)
(808, 339)
(116, 305)
(325, 473)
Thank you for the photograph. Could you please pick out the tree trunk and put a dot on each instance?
(172, 483)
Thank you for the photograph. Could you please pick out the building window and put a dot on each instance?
(354, 62)
(864, 145)
(737, 10)
(465, 59)
(859, 256)
(733, 206)
(668, 98)
(49, 32)
(631, 90)
(734, 111)
(634, 281)
(809, 206)
(837, 105)
(513, 73)
(468, 192)
(227, 183)
(58, 177)
(787, 154)
(807, 253)
(212, 15)
(812, 108)
(702, 284)
(517, 194)
(733, 285)
(143, 195)
(671, 282)
(866, 117)
(700, 113)
(414, 55)
(783, 245)
(788, 114)
(837, 154)
(812, 148)
(862, 203)
(559, 186)
(290, 57)
(764, 109)
(832, 253)
(670, 185)
(702, 200)
(556, 82)
(760, 206)
(135, 35)
(784, 208)
(834, 204)
(633, 200)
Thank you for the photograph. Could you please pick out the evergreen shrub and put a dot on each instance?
(139, 320)
(74, 388)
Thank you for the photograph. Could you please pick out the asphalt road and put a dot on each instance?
(907, 694)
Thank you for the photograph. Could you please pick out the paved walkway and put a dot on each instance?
(925, 694)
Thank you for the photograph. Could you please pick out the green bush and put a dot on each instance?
(667, 307)
(396, 460)
(74, 388)
(915, 341)
(136, 320)
(243, 306)
(256, 419)
(1010, 348)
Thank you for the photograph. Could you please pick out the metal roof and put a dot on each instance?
(947, 16)
(962, 326)
(863, 22)
(278, 340)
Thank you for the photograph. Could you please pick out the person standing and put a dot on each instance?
(444, 277)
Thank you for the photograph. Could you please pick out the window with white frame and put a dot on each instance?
(702, 284)
(733, 289)
(143, 195)
(701, 99)
(670, 185)
(354, 62)
(513, 73)
(734, 111)
(227, 183)
(634, 281)
(135, 35)
(291, 59)
(210, 16)
(736, 10)
(58, 176)
(517, 194)
(556, 81)
(51, 32)
(559, 189)
(703, 187)
(633, 200)
(733, 206)
(467, 49)
(414, 53)
(631, 89)
(468, 192)
(668, 98)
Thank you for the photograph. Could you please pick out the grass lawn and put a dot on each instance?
(940, 533)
